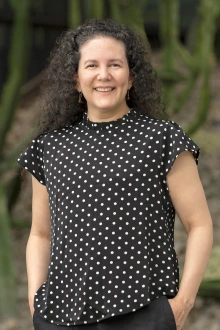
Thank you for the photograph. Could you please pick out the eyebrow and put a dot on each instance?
(111, 60)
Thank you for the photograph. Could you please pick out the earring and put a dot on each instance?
(80, 98)
(128, 96)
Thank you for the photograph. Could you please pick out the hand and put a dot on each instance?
(180, 310)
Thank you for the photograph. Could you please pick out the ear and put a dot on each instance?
(76, 80)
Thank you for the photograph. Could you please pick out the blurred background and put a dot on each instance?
(184, 46)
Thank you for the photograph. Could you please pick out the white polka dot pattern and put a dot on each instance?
(112, 221)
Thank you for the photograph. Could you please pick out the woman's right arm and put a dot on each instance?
(38, 245)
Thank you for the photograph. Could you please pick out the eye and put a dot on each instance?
(115, 65)
(90, 66)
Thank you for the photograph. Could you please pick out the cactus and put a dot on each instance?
(74, 14)
(204, 50)
(10, 95)
(7, 281)
(210, 286)
(198, 63)
(169, 21)
(96, 9)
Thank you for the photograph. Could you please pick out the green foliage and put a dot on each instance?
(7, 281)
(169, 24)
(120, 10)
(130, 13)
(18, 60)
(198, 62)
(210, 286)
(96, 9)
(74, 14)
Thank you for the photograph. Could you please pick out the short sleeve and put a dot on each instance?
(32, 159)
(175, 141)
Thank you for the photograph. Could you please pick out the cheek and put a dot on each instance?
(85, 81)
(118, 80)
(124, 80)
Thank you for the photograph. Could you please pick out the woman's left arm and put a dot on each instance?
(188, 197)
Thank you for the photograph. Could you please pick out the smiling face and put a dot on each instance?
(103, 74)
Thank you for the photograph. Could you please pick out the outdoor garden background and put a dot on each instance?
(184, 43)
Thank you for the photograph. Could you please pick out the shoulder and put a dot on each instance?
(161, 125)
(55, 135)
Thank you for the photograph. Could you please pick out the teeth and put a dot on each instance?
(104, 89)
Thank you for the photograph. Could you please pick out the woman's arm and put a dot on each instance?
(38, 245)
(190, 203)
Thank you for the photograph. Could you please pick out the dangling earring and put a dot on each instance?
(80, 98)
(128, 96)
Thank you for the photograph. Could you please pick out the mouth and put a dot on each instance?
(104, 89)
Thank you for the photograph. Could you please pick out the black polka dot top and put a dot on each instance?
(112, 219)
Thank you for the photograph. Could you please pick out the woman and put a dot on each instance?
(108, 176)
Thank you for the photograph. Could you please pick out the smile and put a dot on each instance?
(107, 89)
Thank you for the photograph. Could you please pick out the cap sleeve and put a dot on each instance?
(32, 159)
(175, 141)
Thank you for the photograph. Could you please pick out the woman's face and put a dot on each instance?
(103, 74)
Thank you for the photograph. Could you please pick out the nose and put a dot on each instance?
(103, 73)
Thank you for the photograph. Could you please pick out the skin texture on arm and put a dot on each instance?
(188, 197)
(38, 245)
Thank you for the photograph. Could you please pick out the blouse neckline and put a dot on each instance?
(108, 124)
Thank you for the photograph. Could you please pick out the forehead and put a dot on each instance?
(102, 45)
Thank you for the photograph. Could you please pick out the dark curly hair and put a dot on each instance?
(59, 93)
